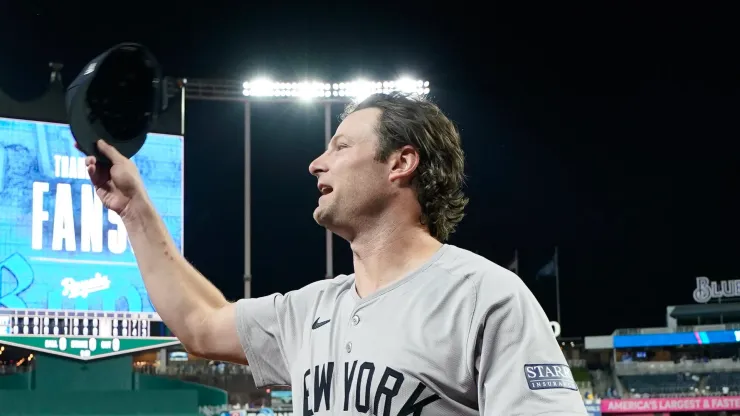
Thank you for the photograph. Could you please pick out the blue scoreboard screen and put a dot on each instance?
(675, 339)
(59, 247)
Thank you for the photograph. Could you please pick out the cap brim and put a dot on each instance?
(86, 131)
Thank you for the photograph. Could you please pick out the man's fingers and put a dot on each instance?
(110, 152)
(91, 167)
(99, 175)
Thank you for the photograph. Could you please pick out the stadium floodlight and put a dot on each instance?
(356, 90)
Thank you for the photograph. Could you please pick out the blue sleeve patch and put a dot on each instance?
(549, 376)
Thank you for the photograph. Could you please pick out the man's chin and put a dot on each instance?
(325, 218)
(320, 216)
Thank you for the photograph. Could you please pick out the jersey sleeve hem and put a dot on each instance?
(242, 328)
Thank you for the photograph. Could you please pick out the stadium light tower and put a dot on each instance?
(266, 90)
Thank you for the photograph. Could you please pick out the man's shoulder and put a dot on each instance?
(464, 263)
(485, 275)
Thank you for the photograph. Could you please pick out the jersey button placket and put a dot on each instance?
(355, 321)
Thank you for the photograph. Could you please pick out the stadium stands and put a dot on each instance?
(681, 361)
(723, 383)
(709, 366)
(661, 384)
(677, 379)
(235, 379)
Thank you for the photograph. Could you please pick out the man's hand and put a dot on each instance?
(118, 184)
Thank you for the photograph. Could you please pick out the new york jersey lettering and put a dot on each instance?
(381, 399)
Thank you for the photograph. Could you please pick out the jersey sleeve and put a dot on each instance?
(517, 362)
(270, 330)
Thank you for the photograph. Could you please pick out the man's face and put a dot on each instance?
(354, 186)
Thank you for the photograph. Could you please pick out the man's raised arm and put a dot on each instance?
(195, 311)
(191, 306)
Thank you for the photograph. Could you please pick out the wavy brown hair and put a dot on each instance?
(439, 178)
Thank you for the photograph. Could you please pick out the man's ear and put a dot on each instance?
(403, 164)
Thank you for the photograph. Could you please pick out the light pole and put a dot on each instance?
(264, 90)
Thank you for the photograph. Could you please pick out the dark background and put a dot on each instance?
(609, 131)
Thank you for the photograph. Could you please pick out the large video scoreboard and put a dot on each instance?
(66, 264)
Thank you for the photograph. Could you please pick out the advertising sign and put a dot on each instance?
(676, 338)
(707, 290)
(60, 248)
(593, 409)
(676, 404)
(281, 398)
(86, 348)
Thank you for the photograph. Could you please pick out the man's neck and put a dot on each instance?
(386, 255)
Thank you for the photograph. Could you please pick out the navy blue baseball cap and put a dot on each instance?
(117, 97)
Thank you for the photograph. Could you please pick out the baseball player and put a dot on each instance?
(420, 328)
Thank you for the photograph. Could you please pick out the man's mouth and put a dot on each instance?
(325, 189)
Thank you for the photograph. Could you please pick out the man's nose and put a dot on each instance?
(318, 166)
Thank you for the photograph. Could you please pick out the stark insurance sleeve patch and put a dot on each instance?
(549, 376)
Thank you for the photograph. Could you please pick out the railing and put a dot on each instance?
(693, 328)
(637, 331)
(200, 369)
(218, 410)
(576, 362)
(669, 367)
(13, 369)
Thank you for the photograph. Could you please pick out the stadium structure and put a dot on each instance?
(688, 367)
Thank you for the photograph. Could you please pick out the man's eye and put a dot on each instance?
(341, 146)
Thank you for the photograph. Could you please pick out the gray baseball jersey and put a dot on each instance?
(458, 336)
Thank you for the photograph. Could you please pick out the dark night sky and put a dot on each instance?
(609, 132)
